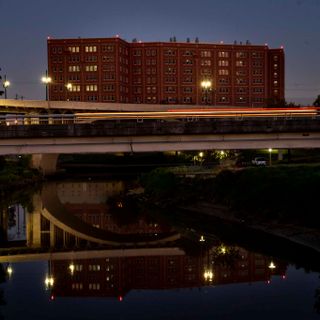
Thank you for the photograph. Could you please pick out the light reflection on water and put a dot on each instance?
(103, 256)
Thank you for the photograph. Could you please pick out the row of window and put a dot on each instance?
(153, 99)
(153, 52)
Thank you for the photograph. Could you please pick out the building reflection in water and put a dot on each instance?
(75, 214)
(82, 215)
(115, 276)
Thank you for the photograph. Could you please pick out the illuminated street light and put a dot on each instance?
(208, 275)
(69, 88)
(9, 271)
(71, 268)
(49, 281)
(272, 265)
(202, 239)
(46, 80)
(206, 87)
(270, 153)
(6, 84)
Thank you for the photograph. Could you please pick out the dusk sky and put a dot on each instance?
(295, 24)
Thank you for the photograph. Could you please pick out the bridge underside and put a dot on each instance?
(45, 151)
(158, 143)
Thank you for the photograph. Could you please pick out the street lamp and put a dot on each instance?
(5, 84)
(69, 88)
(46, 80)
(270, 153)
(206, 87)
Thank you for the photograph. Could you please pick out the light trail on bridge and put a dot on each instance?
(172, 114)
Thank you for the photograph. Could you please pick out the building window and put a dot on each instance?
(223, 90)
(257, 54)
(257, 63)
(94, 286)
(223, 99)
(170, 61)
(257, 72)
(91, 68)
(109, 76)
(137, 52)
(257, 80)
(223, 80)
(240, 63)
(241, 54)
(170, 89)
(241, 99)
(205, 54)
(187, 89)
(91, 58)
(241, 90)
(223, 63)
(223, 72)
(170, 52)
(187, 79)
(257, 90)
(188, 62)
(241, 72)
(223, 54)
(77, 286)
(92, 98)
(241, 81)
(74, 88)
(206, 62)
(74, 49)
(108, 48)
(74, 68)
(90, 49)
(91, 87)
(170, 71)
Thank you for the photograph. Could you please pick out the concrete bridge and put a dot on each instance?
(45, 142)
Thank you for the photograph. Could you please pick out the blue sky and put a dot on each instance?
(295, 24)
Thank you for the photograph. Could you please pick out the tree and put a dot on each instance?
(316, 103)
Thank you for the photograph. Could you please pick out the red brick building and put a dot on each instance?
(113, 70)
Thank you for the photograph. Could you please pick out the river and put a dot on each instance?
(80, 249)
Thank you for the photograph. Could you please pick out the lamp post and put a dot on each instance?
(270, 159)
(46, 80)
(69, 88)
(6, 84)
(206, 87)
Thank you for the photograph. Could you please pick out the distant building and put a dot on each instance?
(113, 70)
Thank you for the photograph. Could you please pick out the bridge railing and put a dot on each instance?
(186, 115)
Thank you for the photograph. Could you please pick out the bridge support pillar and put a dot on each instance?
(46, 163)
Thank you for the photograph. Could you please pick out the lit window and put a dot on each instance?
(223, 63)
(92, 68)
(223, 54)
(90, 49)
(223, 72)
(92, 87)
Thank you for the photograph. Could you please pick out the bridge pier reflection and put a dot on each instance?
(45, 163)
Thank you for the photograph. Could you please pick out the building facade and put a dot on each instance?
(113, 70)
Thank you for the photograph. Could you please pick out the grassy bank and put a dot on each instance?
(285, 194)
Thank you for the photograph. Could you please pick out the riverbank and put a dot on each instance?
(308, 237)
(15, 173)
(275, 200)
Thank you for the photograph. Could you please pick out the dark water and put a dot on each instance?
(82, 250)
